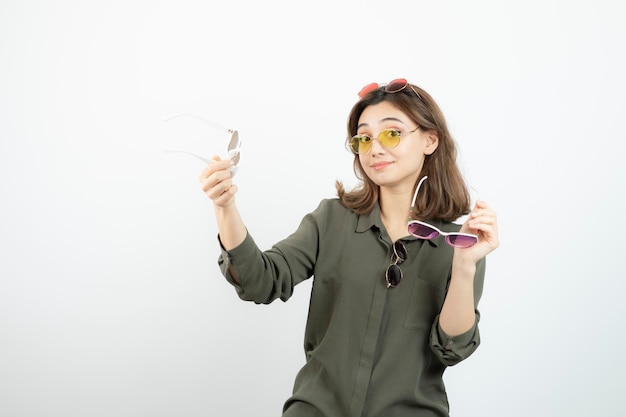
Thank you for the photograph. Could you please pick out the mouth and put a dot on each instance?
(381, 165)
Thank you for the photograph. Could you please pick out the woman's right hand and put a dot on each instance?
(217, 183)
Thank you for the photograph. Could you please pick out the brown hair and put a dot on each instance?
(444, 196)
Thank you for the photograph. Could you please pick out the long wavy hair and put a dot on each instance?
(444, 196)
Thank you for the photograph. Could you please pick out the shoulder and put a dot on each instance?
(331, 210)
(332, 206)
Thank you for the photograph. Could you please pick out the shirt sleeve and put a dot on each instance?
(453, 349)
(267, 275)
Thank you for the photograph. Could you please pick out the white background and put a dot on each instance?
(111, 300)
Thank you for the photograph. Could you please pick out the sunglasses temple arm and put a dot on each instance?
(206, 122)
(419, 185)
(477, 196)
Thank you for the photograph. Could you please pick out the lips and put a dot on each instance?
(381, 165)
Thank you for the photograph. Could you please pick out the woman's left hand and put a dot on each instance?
(483, 223)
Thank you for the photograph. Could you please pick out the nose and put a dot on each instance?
(377, 147)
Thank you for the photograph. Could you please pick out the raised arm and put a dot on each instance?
(217, 184)
(458, 312)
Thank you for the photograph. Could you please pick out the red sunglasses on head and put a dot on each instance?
(393, 86)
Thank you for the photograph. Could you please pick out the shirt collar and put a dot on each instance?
(367, 221)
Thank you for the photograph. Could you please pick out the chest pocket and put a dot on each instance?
(429, 287)
(425, 303)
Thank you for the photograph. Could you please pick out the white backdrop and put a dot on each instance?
(111, 301)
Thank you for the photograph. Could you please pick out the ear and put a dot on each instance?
(432, 141)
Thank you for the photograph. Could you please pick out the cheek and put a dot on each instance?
(411, 159)
(413, 153)
(417, 163)
(365, 165)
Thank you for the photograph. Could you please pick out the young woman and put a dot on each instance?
(396, 282)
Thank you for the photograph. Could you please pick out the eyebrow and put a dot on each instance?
(386, 119)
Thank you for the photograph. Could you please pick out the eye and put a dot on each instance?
(391, 133)
(363, 138)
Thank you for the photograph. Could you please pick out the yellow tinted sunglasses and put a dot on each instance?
(388, 138)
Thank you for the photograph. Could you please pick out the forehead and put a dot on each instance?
(380, 113)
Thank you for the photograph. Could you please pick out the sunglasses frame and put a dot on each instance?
(395, 265)
(446, 235)
(402, 82)
(357, 139)
(438, 232)
(233, 148)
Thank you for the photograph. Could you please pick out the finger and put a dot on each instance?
(483, 220)
(481, 204)
(483, 216)
(214, 173)
(217, 164)
(216, 184)
(487, 229)
(214, 177)
(224, 186)
(481, 209)
(226, 197)
(483, 223)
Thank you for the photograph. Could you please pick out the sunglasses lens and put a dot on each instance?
(393, 275)
(353, 144)
(396, 85)
(400, 251)
(368, 89)
(360, 144)
(461, 241)
(233, 147)
(389, 138)
(422, 231)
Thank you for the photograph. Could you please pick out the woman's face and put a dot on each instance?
(398, 166)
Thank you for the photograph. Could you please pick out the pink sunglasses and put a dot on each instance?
(423, 230)
(393, 86)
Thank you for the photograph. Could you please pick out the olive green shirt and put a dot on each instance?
(370, 350)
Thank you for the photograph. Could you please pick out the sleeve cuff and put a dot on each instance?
(453, 349)
(227, 259)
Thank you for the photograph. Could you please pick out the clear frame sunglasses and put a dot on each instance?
(423, 230)
(233, 148)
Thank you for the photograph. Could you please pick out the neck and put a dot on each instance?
(394, 211)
